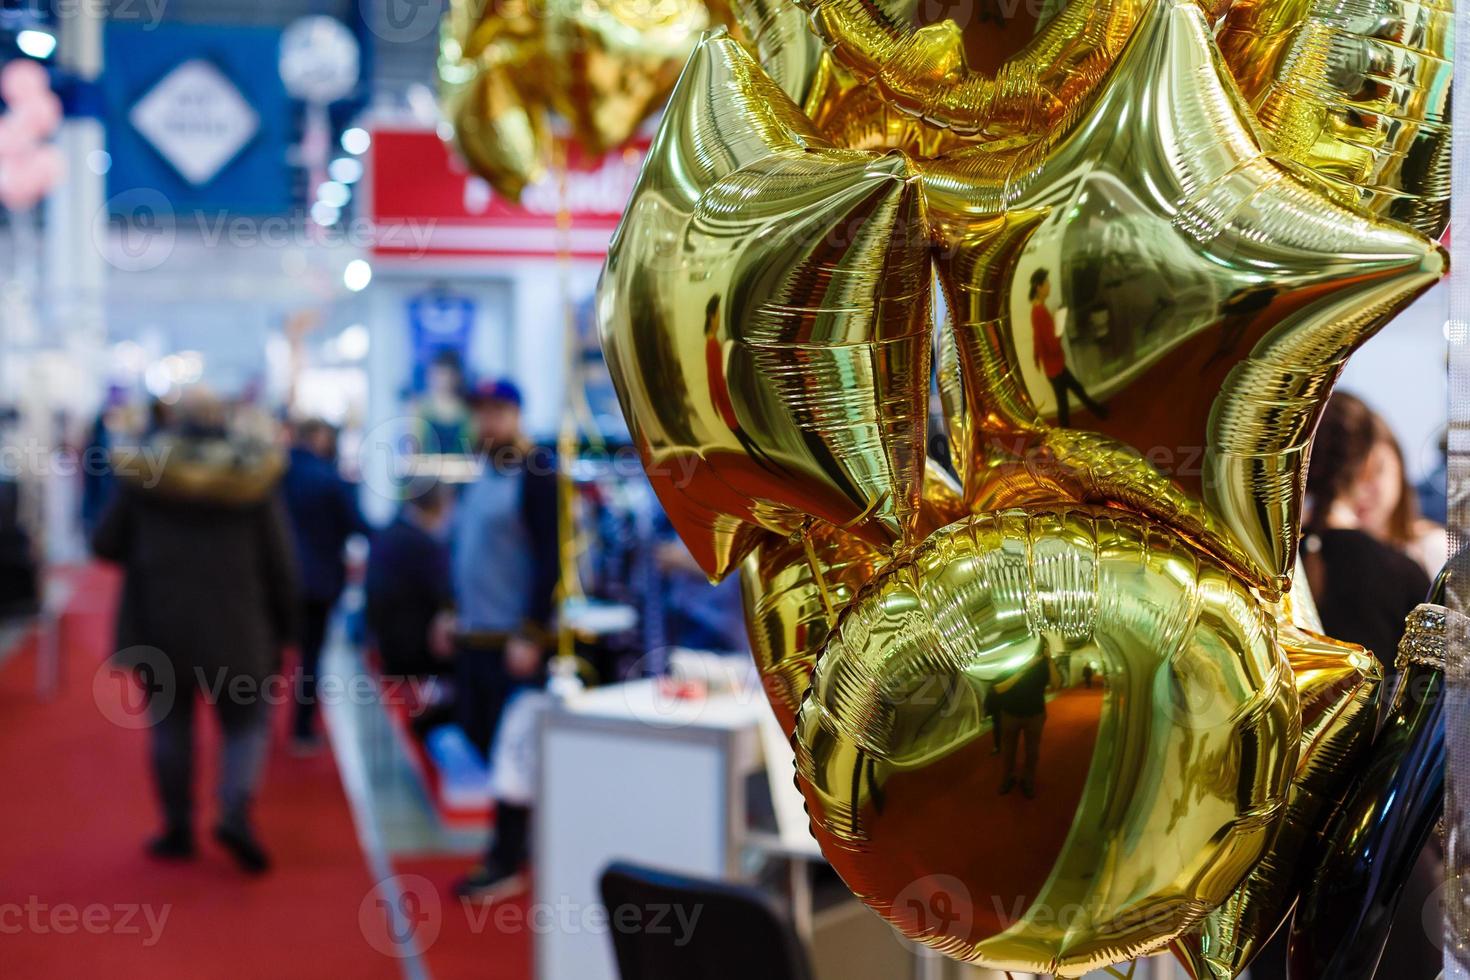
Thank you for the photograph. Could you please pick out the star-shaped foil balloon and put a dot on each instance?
(1145, 309)
(604, 66)
(765, 315)
(1359, 93)
(1152, 277)
(917, 69)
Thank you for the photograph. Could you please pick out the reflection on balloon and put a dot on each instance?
(1151, 778)
(1152, 276)
(1357, 93)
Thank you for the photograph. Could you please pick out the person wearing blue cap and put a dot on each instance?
(504, 550)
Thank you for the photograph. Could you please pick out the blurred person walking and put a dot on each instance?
(504, 548)
(97, 477)
(324, 515)
(410, 595)
(208, 602)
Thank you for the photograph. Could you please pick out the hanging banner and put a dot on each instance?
(194, 121)
(440, 324)
(425, 202)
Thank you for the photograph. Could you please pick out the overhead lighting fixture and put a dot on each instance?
(356, 140)
(354, 342)
(357, 275)
(325, 214)
(345, 170)
(36, 44)
(333, 194)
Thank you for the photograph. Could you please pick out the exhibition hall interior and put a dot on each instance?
(733, 490)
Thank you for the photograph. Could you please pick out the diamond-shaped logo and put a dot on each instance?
(196, 119)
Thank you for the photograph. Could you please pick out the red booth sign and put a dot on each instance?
(425, 202)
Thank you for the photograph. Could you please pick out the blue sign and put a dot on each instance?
(440, 324)
(199, 114)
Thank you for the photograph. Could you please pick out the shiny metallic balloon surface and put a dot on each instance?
(1358, 93)
(1062, 714)
(1166, 746)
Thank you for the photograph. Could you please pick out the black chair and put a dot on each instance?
(669, 927)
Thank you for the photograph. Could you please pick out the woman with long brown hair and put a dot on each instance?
(1360, 525)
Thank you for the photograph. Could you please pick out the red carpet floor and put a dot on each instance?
(466, 941)
(76, 891)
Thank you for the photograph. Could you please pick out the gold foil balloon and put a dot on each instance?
(844, 108)
(794, 588)
(778, 34)
(1359, 93)
(613, 62)
(491, 61)
(1165, 754)
(1338, 687)
(765, 316)
(924, 70)
(1151, 276)
(1082, 720)
(604, 65)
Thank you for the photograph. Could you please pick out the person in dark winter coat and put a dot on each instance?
(208, 602)
(324, 515)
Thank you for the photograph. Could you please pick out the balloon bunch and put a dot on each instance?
(1145, 307)
(30, 166)
(603, 65)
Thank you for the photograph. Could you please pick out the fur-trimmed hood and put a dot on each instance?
(209, 469)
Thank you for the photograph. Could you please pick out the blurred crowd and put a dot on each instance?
(232, 532)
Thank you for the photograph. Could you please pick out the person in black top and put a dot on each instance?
(1020, 702)
(1359, 523)
(409, 592)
